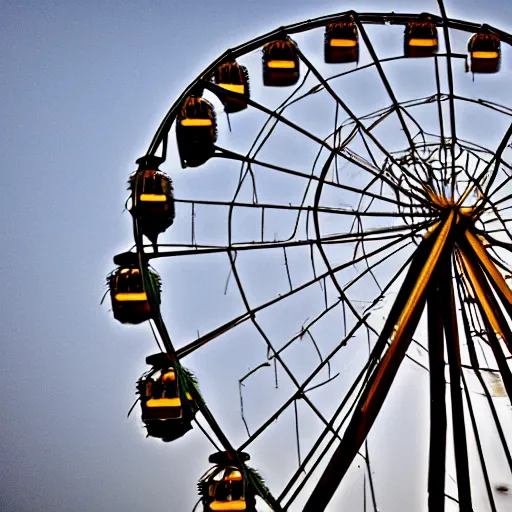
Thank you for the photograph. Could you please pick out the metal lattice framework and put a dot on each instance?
(359, 233)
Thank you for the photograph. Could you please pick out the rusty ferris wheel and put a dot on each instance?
(356, 199)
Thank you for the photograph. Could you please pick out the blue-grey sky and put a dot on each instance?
(83, 86)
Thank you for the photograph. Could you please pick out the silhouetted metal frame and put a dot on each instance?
(412, 191)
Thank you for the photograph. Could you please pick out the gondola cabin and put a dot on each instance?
(129, 299)
(152, 202)
(421, 39)
(167, 406)
(341, 43)
(226, 488)
(280, 63)
(196, 131)
(233, 77)
(484, 52)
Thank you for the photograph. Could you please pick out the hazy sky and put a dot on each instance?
(83, 86)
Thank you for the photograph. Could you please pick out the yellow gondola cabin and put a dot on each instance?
(484, 52)
(421, 39)
(167, 407)
(233, 77)
(196, 131)
(341, 44)
(280, 63)
(129, 299)
(152, 199)
(226, 488)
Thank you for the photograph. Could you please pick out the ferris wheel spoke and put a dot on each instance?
(301, 470)
(306, 208)
(497, 160)
(382, 114)
(451, 100)
(331, 239)
(305, 329)
(375, 234)
(197, 249)
(328, 79)
(388, 199)
(272, 350)
(370, 268)
(420, 133)
(500, 205)
(339, 289)
(377, 172)
(274, 114)
(497, 107)
(478, 182)
(501, 230)
(384, 290)
(439, 99)
(206, 338)
(298, 394)
(272, 121)
(396, 106)
(359, 382)
(365, 257)
(338, 100)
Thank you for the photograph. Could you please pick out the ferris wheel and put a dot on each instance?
(334, 233)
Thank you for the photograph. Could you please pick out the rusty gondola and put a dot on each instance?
(421, 38)
(341, 44)
(484, 52)
(166, 403)
(130, 303)
(233, 77)
(196, 131)
(226, 487)
(280, 63)
(152, 200)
